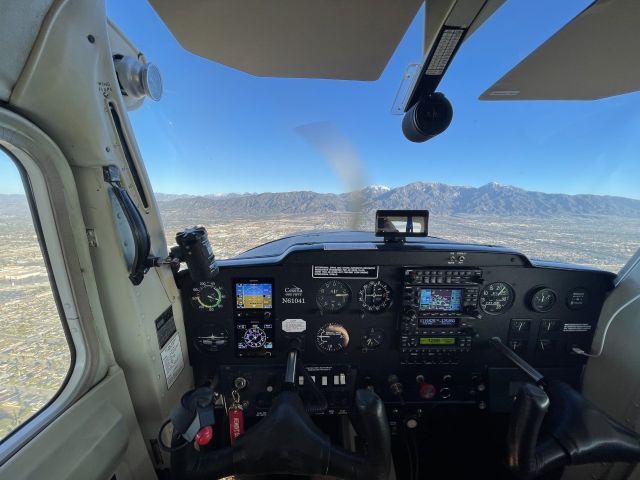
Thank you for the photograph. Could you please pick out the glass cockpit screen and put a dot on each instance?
(254, 296)
(440, 299)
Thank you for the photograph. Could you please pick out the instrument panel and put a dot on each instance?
(410, 323)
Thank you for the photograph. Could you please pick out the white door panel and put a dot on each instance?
(95, 438)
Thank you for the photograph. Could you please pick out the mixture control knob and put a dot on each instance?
(411, 423)
(427, 391)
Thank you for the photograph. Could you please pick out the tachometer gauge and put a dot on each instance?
(496, 298)
(208, 296)
(375, 296)
(333, 296)
(332, 337)
(211, 339)
(372, 338)
(543, 299)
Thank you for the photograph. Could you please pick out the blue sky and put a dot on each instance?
(219, 130)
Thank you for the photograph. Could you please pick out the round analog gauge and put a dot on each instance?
(207, 296)
(375, 296)
(333, 296)
(211, 339)
(496, 298)
(332, 337)
(543, 299)
(372, 338)
(254, 337)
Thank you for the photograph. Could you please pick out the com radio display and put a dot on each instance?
(254, 295)
(440, 299)
(440, 341)
(438, 322)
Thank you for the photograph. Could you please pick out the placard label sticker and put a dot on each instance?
(576, 327)
(294, 325)
(165, 327)
(172, 361)
(344, 271)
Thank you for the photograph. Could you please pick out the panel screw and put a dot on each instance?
(91, 38)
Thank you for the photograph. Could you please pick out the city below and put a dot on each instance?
(35, 357)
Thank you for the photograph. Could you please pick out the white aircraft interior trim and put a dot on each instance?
(20, 23)
(102, 420)
(58, 210)
(82, 126)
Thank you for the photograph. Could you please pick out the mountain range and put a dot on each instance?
(438, 198)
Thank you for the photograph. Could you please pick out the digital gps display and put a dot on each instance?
(441, 299)
(254, 295)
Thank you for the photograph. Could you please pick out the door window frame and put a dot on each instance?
(54, 206)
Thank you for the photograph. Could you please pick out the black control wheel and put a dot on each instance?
(287, 441)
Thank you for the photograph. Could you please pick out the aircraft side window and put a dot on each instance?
(35, 354)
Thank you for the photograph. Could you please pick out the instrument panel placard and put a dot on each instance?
(344, 271)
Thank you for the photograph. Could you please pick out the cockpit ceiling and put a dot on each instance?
(20, 23)
(593, 56)
(351, 40)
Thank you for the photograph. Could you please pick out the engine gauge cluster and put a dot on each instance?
(543, 299)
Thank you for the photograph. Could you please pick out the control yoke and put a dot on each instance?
(287, 441)
(553, 426)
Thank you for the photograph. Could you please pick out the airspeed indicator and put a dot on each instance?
(208, 296)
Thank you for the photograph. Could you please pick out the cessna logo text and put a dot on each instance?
(293, 294)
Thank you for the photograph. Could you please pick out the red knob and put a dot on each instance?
(204, 435)
(427, 391)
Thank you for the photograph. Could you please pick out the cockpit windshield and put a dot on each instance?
(255, 159)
